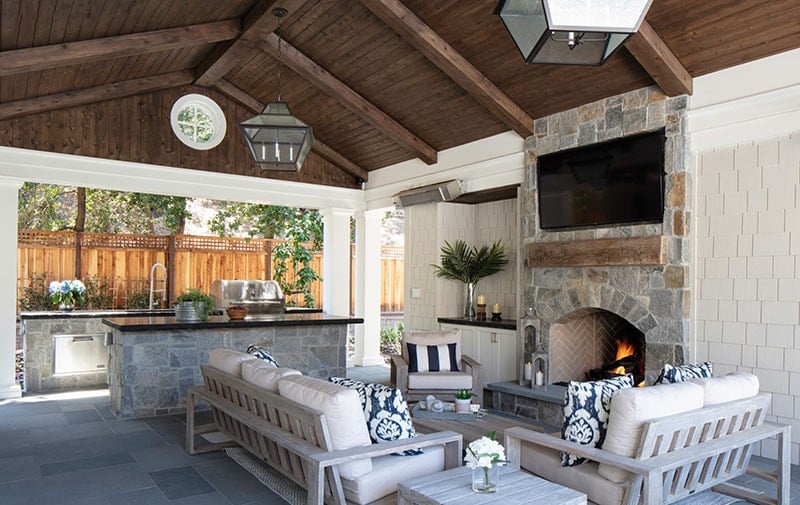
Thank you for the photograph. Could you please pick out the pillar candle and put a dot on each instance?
(496, 308)
(539, 378)
(528, 369)
(481, 300)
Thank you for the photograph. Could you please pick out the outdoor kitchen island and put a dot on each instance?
(154, 360)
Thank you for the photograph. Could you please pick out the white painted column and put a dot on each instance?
(368, 287)
(9, 194)
(336, 261)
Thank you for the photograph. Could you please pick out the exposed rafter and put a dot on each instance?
(322, 149)
(257, 24)
(659, 61)
(414, 31)
(328, 83)
(92, 95)
(45, 57)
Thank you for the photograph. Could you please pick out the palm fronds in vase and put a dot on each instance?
(469, 265)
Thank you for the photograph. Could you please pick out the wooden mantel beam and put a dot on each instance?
(44, 57)
(659, 61)
(414, 31)
(96, 94)
(320, 148)
(257, 24)
(348, 97)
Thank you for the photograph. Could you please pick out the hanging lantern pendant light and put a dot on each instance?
(276, 139)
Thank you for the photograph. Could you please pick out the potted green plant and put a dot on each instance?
(463, 401)
(193, 305)
(469, 265)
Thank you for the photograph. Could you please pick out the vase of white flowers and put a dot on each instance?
(485, 456)
(66, 294)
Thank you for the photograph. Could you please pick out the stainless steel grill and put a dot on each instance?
(260, 297)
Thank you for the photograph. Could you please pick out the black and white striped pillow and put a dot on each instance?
(432, 358)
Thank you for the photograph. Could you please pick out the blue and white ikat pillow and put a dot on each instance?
(586, 413)
(385, 411)
(672, 374)
(262, 353)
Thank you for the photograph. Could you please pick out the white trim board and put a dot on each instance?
(72, 170)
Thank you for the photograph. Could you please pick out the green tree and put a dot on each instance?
(45, 207)
(301, 230)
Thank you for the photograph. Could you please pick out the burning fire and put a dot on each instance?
(624, 350)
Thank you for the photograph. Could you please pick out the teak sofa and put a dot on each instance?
(295, 439)
(667, 458)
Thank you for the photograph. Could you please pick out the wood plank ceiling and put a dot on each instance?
(380, 81)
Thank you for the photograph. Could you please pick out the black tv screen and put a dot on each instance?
(611, 183)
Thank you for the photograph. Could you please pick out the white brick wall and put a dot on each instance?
(748, 268)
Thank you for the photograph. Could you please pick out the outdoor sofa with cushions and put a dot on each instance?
(665, 443)
(310, 430)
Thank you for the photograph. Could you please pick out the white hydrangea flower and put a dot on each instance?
(485, 453)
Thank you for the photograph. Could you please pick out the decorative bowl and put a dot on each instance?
(236, 312)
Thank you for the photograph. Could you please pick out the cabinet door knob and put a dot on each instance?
(494, 337)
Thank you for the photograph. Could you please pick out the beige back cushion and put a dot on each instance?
(728, 388)
(630, 408)
(229, 361)
(343, 412)
(264, 374)
(423, 337)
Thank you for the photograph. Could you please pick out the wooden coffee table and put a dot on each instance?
(515, 487)
(473, 430)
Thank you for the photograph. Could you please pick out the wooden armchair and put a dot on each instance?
(417, 383)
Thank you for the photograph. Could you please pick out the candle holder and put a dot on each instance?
(496, 316)
(480, 314)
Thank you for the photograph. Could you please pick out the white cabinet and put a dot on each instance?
(494, 348)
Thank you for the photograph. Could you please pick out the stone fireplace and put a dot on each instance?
(638, 274)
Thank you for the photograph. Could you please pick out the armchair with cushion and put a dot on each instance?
(431, 363)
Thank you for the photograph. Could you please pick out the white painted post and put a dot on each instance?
(9, 191)
(368, 287)
(336, 261)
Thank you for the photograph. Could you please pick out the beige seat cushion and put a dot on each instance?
(728, 388)
(264, 374)
(388, 470)
(342, 409)
(229, 361)
(439, 380)
(546, 463)
(630, 408)
(420, 337)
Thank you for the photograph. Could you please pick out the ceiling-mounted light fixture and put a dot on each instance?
(276, 139)
(571, 32)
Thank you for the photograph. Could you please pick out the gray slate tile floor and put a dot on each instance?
(68, 449)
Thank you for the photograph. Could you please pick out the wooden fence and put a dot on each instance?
(121, 265)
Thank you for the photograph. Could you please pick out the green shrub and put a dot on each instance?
(99, 293)
(390, 339)
(35, 295)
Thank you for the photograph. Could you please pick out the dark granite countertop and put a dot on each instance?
(77, 314)
(159, 323)
(503, 324)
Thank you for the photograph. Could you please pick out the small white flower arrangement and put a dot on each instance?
(67, 292)
(484, 454)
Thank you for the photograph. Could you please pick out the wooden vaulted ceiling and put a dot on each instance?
(380, 81)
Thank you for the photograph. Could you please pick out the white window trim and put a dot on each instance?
(217, 116)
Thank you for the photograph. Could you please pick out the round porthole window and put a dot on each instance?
(198, 121)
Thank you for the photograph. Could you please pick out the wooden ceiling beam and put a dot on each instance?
(319, 147)
(256, 25)
(348, 97)
(659, 61)
(91, 95)
(71, 53)
(417, 33)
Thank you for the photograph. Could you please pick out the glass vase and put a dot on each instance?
(486, 480)
(469, 306)
(66, 306)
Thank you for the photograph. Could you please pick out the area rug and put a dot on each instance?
(277, 483)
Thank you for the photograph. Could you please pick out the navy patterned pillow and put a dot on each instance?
(672, 374)
(262, 353)
(586, 413)
(432, 358)
(385, 412)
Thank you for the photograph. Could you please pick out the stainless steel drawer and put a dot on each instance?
(79, 353)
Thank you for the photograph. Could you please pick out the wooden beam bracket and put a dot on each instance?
(659, 61)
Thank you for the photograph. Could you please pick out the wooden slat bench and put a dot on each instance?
(290, 437)
(683, 454)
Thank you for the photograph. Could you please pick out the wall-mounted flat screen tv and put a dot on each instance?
(613, 183)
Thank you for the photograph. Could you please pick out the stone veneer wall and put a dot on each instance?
(656, 300)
